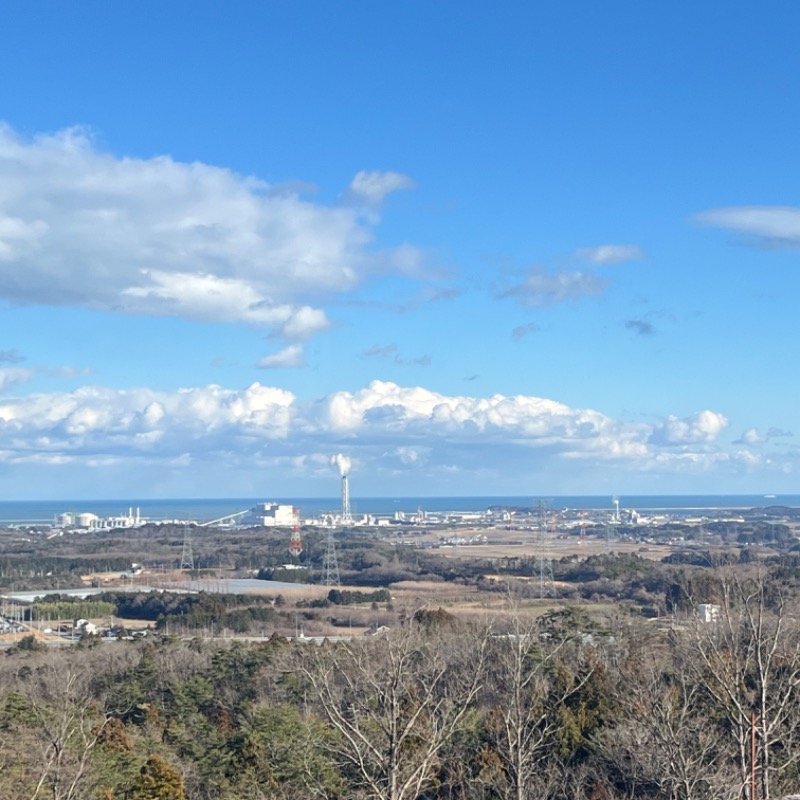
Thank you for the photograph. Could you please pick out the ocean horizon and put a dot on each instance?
(206, 509)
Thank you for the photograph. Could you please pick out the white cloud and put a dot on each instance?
(752, 436)
(540, 289)
(748, 457)
(97, 421)
(773, 225)
(611, 253)
(382, 426)
(411, 456)
(155, 236)
(304, 322)
(371, 187)
(15, 376)
(290, 357)
(384, 410)
(700, 428)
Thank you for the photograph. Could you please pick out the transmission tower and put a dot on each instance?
(295, 543)
(187, 556)
(546, 587)
(330, 565)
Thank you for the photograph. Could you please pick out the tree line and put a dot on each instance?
(522, 707)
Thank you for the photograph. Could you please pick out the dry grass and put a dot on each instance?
(554, 548)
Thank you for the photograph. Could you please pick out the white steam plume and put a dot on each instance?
(342, 463)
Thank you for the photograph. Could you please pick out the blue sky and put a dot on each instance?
(510, 248)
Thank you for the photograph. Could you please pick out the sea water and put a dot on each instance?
(206, 509)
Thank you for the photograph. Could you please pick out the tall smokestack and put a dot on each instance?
(346, 516)
(343, 464)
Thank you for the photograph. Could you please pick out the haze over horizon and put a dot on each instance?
(519, 249)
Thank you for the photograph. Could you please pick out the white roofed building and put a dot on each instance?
(270, 515)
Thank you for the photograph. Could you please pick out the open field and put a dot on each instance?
(516, 543)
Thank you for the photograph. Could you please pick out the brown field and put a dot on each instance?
(466, 602)
(515, 544)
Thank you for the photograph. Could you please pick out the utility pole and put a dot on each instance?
(752, 755)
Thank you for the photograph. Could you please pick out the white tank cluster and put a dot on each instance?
(85, 520)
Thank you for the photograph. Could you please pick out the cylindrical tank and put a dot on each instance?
(86, 519)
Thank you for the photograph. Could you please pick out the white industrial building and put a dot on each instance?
(270, 515)
(708, 612)
(89, 521)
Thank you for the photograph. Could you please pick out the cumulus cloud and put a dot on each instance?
(640, 327)
(700, 428)
(82, 227)
(371, 187)
(750, 436)
(748, 458)
(768, 225)
(96, 421)
(383, 425)
(539, 289)
(611, 253)
(290, 357)
(383, 408)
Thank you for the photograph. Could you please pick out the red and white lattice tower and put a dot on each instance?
(295, 543)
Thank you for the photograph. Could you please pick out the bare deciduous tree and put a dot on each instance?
(526, 684)
(748, 661)
(59, 721)
(395, 702)
(663, 737)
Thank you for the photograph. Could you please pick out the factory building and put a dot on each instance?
(270, 515)
(89, 521)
